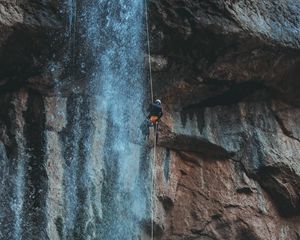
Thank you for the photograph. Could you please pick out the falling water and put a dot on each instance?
(110, 51)
(121, 95)
(93, 169)
(17, 204)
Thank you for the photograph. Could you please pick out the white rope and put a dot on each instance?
(153, 170)
(153, 163)
(149, 50)
(152, 192)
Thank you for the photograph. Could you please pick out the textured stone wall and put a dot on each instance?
(228, 167)
(228, 151)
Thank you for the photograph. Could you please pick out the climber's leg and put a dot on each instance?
(156, 131)
(145, 127)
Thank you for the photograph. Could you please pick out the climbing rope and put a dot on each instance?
(153, 163)
(149, 50)
(153, 171)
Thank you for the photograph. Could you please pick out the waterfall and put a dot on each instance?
(110, 51)
(76, 166)
(122, 94)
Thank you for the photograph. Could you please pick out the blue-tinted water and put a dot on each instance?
(115, 32)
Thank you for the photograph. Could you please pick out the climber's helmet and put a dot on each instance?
(157, 101)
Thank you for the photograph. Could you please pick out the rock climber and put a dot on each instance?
(155, 112)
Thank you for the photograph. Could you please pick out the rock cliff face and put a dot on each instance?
(227, 163)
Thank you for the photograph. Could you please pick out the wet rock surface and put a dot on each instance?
(227, 163)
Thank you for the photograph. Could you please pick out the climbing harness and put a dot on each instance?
(153, 163)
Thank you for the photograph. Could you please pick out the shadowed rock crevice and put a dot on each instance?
(248, 234)
(6, 115)
(35, 172)
(186, 143)
(157, 229)
(22, 57)
(283, 184)
(167, 202)
(59, 226)
(233, 95)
